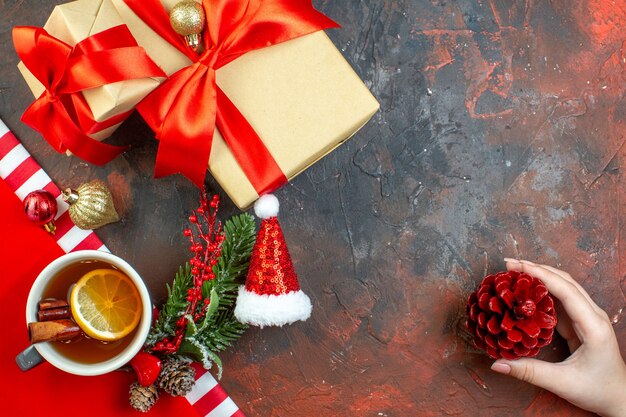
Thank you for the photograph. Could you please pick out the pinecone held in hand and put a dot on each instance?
(177, 377)
(511, 315)
(143, 398)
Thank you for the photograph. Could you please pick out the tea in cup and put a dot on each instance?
(88, 312)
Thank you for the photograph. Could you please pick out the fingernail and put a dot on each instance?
(516, 261)
(501, 368)
(527, 262)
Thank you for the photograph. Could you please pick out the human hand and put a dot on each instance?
(593, 377)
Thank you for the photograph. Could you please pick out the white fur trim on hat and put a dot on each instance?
(272, 310)
(266, 206)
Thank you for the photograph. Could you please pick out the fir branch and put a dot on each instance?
(225, 331)
(174, 307)
(237, 250)
(222, 329)
(217, 328)
(232, 266)
(210, 311)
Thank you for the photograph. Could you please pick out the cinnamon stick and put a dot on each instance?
(51, 331)
(50, 303)
(54, 314)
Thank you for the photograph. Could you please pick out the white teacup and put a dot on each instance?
(54, 356)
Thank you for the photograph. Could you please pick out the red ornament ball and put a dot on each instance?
(41, 207)
(147, 368)
(511, 315)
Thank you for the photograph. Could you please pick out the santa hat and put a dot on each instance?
(271, 295)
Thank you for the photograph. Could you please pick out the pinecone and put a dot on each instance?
(143, 398)
(511, 315)
(177, 377)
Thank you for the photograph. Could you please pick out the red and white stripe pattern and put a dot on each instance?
(23, 174)
(208, 397)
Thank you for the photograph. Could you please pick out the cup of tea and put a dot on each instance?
(82, 342)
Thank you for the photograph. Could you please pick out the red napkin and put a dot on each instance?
(25, 249)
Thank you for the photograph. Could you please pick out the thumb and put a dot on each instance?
(542, 374)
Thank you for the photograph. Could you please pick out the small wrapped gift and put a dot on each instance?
(298, 97)
(100, 110)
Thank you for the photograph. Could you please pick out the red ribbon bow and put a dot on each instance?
(65, 71)
(184, 110)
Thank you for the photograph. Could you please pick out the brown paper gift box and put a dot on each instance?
(301, 97)
(75, 21)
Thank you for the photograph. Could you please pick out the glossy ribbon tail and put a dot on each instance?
(253, 157)
(65, 72)
(185, 140)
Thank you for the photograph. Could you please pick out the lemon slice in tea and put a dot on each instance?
(106, 304)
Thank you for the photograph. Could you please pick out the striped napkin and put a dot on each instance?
(208, 397)
(22, 174)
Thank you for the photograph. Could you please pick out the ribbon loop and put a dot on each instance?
(65, 72)
(184, 110)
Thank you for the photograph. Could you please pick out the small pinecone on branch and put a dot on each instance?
(177, 377)
(511, 315)
(143, 398)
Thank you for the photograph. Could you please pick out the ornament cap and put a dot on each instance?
(70, 196)
(193, 41)
(50, 227)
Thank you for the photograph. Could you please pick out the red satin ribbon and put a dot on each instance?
(184, 110)
(61, 114)
(80, 111)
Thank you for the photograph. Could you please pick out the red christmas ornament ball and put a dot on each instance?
(147, 367)
(511, 315)
(41, 207)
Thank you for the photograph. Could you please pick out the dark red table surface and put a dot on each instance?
(501, 133)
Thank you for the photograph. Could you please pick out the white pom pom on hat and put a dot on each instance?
(266, 206)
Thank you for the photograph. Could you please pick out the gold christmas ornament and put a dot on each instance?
(91, 205)
(187, 19)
